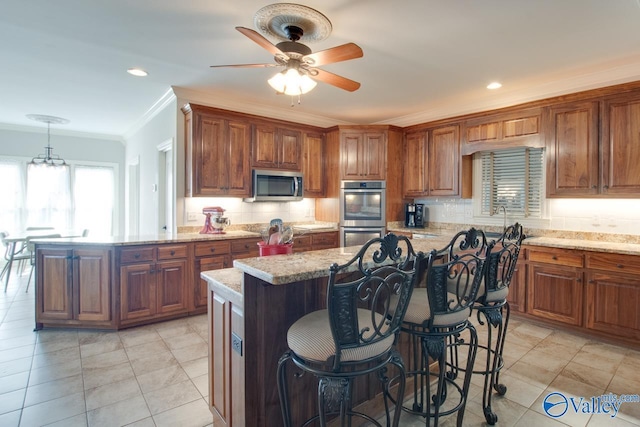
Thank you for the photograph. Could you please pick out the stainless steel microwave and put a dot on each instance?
(276, 186)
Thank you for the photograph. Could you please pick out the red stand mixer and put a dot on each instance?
(215, 222)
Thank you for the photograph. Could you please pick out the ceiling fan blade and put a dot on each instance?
(245, 66)
(335, 54)
(264, 43)
(336, 80)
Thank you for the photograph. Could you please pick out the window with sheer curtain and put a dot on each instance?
(75, 197)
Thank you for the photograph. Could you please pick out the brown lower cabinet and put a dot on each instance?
(78, 290)
(595, 292)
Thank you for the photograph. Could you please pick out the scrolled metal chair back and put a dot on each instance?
(502, 257)
(378, 281)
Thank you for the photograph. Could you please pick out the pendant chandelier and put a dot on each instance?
(48, 158)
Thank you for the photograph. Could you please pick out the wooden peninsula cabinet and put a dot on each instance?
(153, 282)
(78, 290)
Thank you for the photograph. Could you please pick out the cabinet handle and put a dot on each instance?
(555, 258)
(136, 256)
(151, 271)
(606, 187)
(212, 250)
(172, 253)
(594, 186)
(620, 266)
(246, 246)
(591, 281)
(578, 280)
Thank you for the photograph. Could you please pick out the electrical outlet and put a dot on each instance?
(192, 216)
(468, 212)
(236, 343)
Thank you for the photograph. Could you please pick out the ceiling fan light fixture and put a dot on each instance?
(291, 82)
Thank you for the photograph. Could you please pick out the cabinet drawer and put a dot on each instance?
(325, 239)
(244, 246)
(302, 243)
(173, 251)
(130, 255)
(555, 256)
(212, 248)
(614, 262)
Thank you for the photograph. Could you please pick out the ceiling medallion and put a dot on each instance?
(273, 20)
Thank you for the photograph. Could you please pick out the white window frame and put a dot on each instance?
(115, 226)
(498, 219)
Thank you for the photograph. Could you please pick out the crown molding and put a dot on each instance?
(624, 71)
(61, 132)
(219, 101)
(168, 97)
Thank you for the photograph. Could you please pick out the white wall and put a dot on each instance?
(26, 142)
(142, 148)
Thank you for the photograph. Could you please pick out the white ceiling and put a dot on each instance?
(423, 59)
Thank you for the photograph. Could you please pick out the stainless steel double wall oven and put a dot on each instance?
(362, 211)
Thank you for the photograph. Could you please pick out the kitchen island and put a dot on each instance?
(251, 307)
(591, 287)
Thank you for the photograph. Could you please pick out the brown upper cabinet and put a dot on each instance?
(593, 148)
(363, 154)
(276, 148)
(313, 155)
(432, 162)
(572, 149)
(507, 130)
(217, 153)
(621, 146)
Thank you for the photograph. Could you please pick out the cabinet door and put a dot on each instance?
(219, 353)
(612, 304)
(92, 284)
(53, 285)
(572, 150)
(236, 159)
(209, 146)
(444, 161)
(555, 292)
(202, 287)
(351, 155)
(171, 285)
(313, 165)
(374, 154)
(517, 288)
(621, 148)
(415, 168)
(137, 291)
(264, 151)
(289, 149)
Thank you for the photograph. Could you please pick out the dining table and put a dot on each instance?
(16, 245)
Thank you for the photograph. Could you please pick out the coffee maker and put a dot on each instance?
(414, 215)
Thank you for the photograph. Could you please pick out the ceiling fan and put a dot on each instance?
(291, 23)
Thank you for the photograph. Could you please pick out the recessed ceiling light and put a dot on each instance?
(138, 72)
(494, 85)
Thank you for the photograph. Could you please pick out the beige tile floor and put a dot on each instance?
(156, 375)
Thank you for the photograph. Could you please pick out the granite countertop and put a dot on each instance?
(151, 239)
(283, 269)
(227, 282)
(584, 245)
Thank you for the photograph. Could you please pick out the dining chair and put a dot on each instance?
(355, 335)
(437, 321)
(19, 254)
(31, 251)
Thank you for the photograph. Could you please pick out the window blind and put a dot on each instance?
(513, 178)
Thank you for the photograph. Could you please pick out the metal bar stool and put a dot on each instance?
(366, 302)
(492, 310)
(437, 321)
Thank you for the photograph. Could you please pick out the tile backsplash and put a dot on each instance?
(611, 216)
